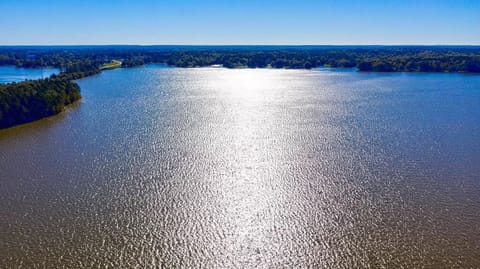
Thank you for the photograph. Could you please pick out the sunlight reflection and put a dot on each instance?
(249, 85)
(249, 159)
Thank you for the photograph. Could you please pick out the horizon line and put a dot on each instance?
(230, 45)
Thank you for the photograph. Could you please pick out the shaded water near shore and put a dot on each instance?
(10, 74)
(246, 168)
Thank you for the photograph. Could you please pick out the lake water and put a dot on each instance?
(13, 74)
(218, 168)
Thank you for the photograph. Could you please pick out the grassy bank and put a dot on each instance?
(111, 65)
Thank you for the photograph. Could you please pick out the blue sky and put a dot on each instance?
(239, 22)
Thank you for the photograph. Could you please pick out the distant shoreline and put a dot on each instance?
(379, 58)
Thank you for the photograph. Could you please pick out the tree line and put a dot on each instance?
(35, 99)
(364, 58)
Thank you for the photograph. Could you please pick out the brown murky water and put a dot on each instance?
(215, 168)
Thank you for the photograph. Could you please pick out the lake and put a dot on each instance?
(248, 168)
(14, 74)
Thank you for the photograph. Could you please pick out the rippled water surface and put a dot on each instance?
(219, 168)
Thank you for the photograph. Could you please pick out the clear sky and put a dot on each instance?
(239, 22)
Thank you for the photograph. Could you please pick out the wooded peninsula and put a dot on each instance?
(34, 99)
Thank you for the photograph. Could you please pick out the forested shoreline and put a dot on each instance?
(35, 99)
(32, 100)
(365, 58)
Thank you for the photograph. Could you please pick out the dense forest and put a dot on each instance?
(365, 58)
(35, 99)
(31, 100)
